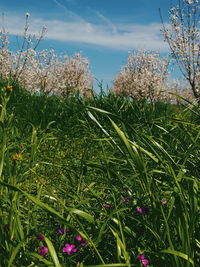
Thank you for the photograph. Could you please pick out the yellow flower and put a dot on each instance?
(17, 156)
(10, 88)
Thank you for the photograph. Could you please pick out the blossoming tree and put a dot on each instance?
(43, 71)
(183, 37)
(144, 76)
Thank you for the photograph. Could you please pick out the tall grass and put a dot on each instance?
(113, 177)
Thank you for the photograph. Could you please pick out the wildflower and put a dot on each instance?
(6, 226)
(107, 206)
(163, 201)
(10, 88)
(42, 251)
(126, 199)
(145, 262)
(82, 241)
(61, 231)
(17, 156)
(69, 249)
(78, 237)
(142, 259)
(27, 14)
(142, 210)
(40, 237)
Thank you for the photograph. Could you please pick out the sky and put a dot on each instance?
(104, 31)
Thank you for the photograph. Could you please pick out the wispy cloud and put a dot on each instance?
(107, 34)
(71, 1)
(107, 21)
(69, 14)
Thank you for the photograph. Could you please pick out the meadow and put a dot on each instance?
(99, 181)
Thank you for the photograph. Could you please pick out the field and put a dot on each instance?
(104, 181)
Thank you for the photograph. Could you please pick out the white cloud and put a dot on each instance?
(114, 36)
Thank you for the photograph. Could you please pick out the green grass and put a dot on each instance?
(124, 175)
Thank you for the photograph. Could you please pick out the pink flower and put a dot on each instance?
(81, 240)
(142, 259)
(69, 249)
(40, 237)
(139, 210)
(126, 199)
(78, 237)
(145, 262)
(142, 210)
(163, 201)
(42, 251)
(83, 243)
(7, 226)
(61, 231)
(107, 206)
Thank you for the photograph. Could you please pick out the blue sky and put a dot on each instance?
(103, 30)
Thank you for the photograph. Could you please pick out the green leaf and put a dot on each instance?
(52, 252)
(44, 206)
(111, 265)
(14, 253)
(179, 254)
(42, 259)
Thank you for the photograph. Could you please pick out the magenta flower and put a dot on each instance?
(126, 199)
(163, 201)
(40, 237)
(78, 237)
(107, 206)
(145, 262)
(69, 249)
(82, 241)
(142, 259)
(61, 231)
(42, 251)
(6, 226)
(142, 210)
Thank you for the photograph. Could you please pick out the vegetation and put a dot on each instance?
(99, 180)
(104, 181)
(182, 35)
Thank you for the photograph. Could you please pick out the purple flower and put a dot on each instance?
(78, 237)
(107, 206)
(163, 201)
(126, 199)
(142, 259)
(42, 251)
(82, 241)
(145, 262)
(69, 249)
(61, 231)
(142, 210)
(6, 226)
(40, 237)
